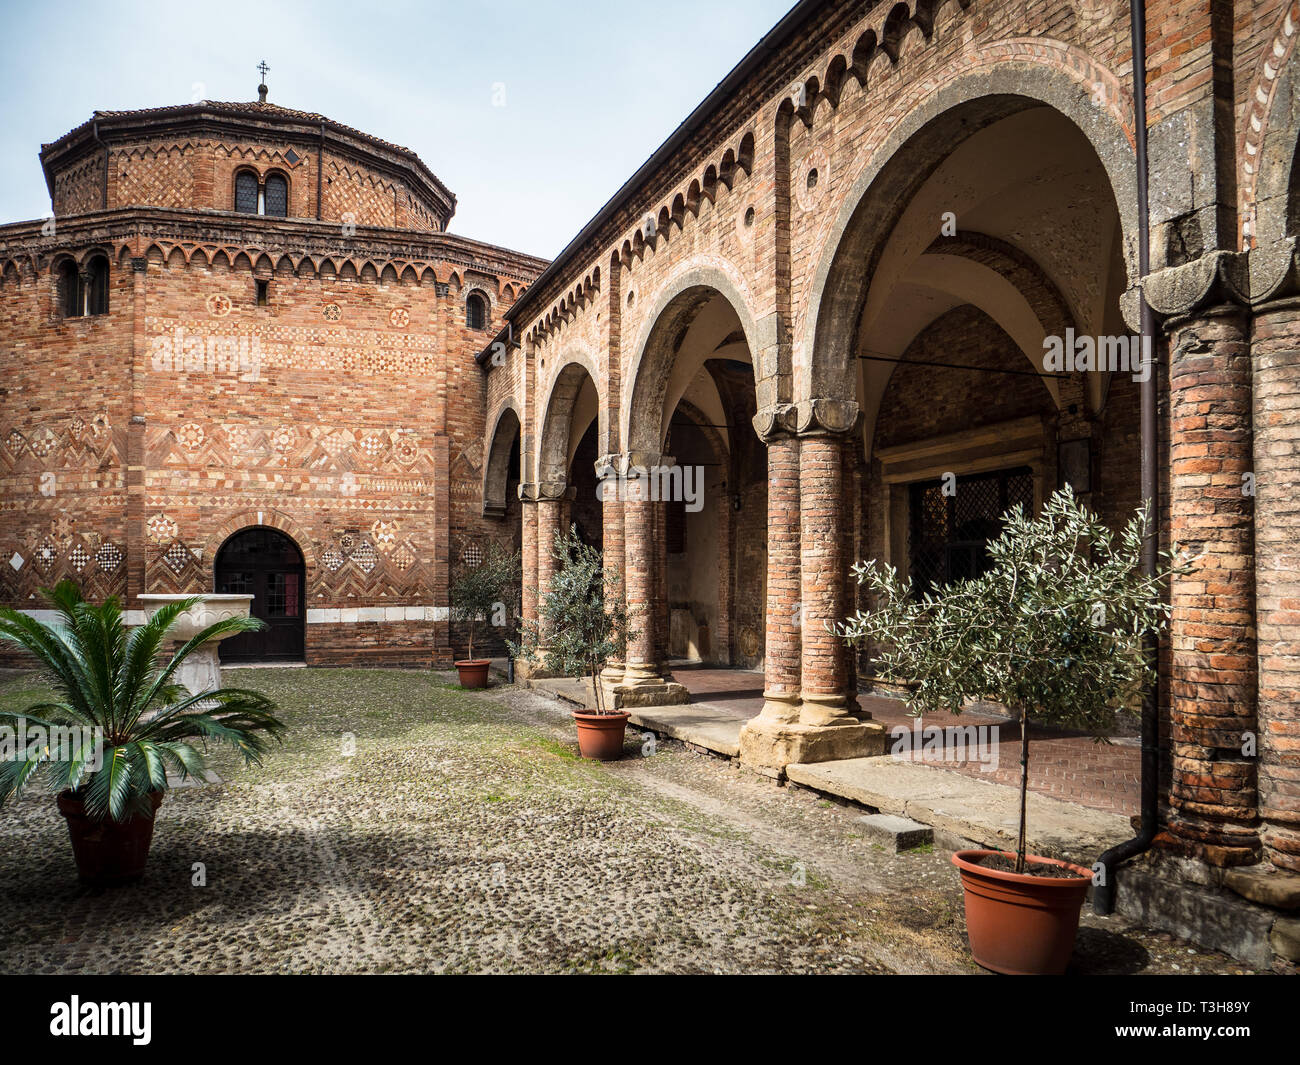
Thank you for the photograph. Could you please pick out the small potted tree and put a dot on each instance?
(480, 587)
(584, 624)
(118, 723)
(1053, 629)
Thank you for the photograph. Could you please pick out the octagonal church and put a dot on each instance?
(240, 357)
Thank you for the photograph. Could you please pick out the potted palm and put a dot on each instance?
(479, 588)
(584, 624)
(119, 722)
(1054, 629)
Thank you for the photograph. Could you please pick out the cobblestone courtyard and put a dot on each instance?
(465, 835)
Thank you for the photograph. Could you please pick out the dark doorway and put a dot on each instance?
(950, 532)
(268, 565)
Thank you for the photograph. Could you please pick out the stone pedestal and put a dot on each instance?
(201, 669)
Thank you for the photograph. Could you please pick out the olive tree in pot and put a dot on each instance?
(118, 723)
(584, 624)
(1054, 629)
(480, 591)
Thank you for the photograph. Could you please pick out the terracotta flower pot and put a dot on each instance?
(474, 672)
(1019, 924)
(600, 736)
(108, 852)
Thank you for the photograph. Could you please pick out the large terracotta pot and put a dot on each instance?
(474, 672)
(600, 736)
(108, 852)
(1019, 924)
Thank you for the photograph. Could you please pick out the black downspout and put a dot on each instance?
(1103, 893)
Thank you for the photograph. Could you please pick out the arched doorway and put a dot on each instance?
(267, 564)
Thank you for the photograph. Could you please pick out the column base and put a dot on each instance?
(642, 686)
(525, 671)
(771, 746)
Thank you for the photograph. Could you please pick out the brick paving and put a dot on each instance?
(1065, 765)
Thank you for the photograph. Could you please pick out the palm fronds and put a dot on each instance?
(115, 689)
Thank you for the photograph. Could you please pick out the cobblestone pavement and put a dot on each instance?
(464, 835)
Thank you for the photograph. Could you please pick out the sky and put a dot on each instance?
(589, 90)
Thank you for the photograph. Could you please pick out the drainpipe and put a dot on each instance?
(1103, 895)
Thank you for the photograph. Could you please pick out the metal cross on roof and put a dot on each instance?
(263, 69)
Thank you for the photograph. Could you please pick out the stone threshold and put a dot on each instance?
(963, 811)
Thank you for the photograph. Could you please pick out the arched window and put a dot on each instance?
(69, 290)
(97, 286)
(246, 192)
(277, 196)
(476, 311)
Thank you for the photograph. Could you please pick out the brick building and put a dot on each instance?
(832, 286)
(836, 284)
(239, 356)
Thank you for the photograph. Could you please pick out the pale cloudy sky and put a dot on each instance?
(590, 89)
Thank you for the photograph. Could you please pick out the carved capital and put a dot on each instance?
(549, 491)
(139, 263)
(1214, 279)
(814, 417)
(528, 493)
(1274, 272)
(774, 421)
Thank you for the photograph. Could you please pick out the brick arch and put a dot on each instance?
(983, 87)
(247, 519)
(1268, 146)
(506, 423)
(645, 389)
(556, 435)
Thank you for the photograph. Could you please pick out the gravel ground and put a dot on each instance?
(463, 834)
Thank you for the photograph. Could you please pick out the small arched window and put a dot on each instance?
(69, 290)
(476, 311)
(277, 196)
(82, 293)
(246, 192)
(97, 286)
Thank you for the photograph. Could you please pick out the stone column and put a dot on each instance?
(1275, 354)
(528, 591)
(806, 715)
(608, 474)
(552, 520)
(645, 680)
(823, 592)
(1213, 796)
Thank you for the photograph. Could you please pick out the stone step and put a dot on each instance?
(895, 833)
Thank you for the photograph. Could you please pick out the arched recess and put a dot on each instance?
(276, 519)
(503, 452)
(696, 314)
(907, 162)
(571, 406)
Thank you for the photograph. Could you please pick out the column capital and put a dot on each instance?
(826, 417)
(1218, 277)
(621, 463)
(546, 492)
(774, 421)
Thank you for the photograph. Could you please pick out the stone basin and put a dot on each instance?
(201, 670)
